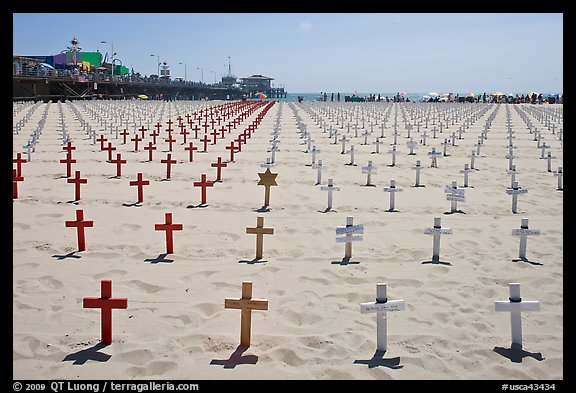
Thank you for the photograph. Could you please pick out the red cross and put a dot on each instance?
(118, 161)
(212, 122)
(140, 183)
(158, 126)
(184, 132)
(68, 161)
(204, 184)
(222, 130)
(168, 161)
(77, 181)
(230, 125)
(170, 140)
(109, 149)
(15, 179)
(191, 148)
(136, 139)
(196, 129)
(106, 303)
(80, 224)
(19, 161)
(169, 122)
(205, 140)
(142, 129)
(238, 140)
(69, 148)
(124, 134)
(154, 134)
(150, 149)
(169, 227)
(219, 165)
(232, 148)
(101, 139)
(214, 134)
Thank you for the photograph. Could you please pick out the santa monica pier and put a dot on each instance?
(74, 74)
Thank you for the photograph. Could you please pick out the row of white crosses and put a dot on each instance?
(515, 305)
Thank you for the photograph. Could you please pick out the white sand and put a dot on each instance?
(176, 326)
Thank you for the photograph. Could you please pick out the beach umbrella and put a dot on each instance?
(470, 94)
(433, 94)
(402, 93)
(46, 65)
(143, 96)
(499, 93)
(260, 95)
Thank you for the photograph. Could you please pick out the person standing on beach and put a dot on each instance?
(332, 97)
(338, 97)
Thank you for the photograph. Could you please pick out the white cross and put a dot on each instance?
(320, 168)
(515, 191)
(549, 158)
(454, 195)
(524, 232)
(412, 144)
(436, 231)
(560, 175)
(393, 152)
(378, 142)
(417, 167)
(515, 306)
(380, 307)
(351, 152)
(348, 231)
(466, 171)
(392, 190)
(369, 170)
(343, 144)
(330, 188)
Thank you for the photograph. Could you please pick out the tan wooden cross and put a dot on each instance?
(259, 231)
(246, 304)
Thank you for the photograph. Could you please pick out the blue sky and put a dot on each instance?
(314, 52)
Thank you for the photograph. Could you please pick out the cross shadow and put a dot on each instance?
(379, 360)
(69, 255)
(159, 258)
(263, 209)
(345, 261)
(328, 209)
(456, 211)
(368, 185)
(236, 358)
(81, 357)
(74, 202)
(391, 165)
(419, 185)
(135, 204)
(515, 353)
(392, 210)
(348, 164)
(202, 205)
(253, 261)
(115, 177)
(165, 179)
(436, 262)
(527, 260)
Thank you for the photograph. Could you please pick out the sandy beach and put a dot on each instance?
(175, 325)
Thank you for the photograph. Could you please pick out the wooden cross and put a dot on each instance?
(204, 184)
(246, 304)
(524, 232)
(80, 224)
(142, 129)
(101, 139)
(77, 181)
(320, 168)
(139, 182)
(168, 161)
(15, 179)
(436, 231)
(260, 231)
(380, 307)
(69, 148)
(19, 161)
(169, 227)
(184, 132)
(560, 174)
(219, 165)
(515, 306)
(454, 195)
(124, 134)
(118, 161)
(136, 139)
(215, 135)
(170, 140)
(267, 179)
(106, 303)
